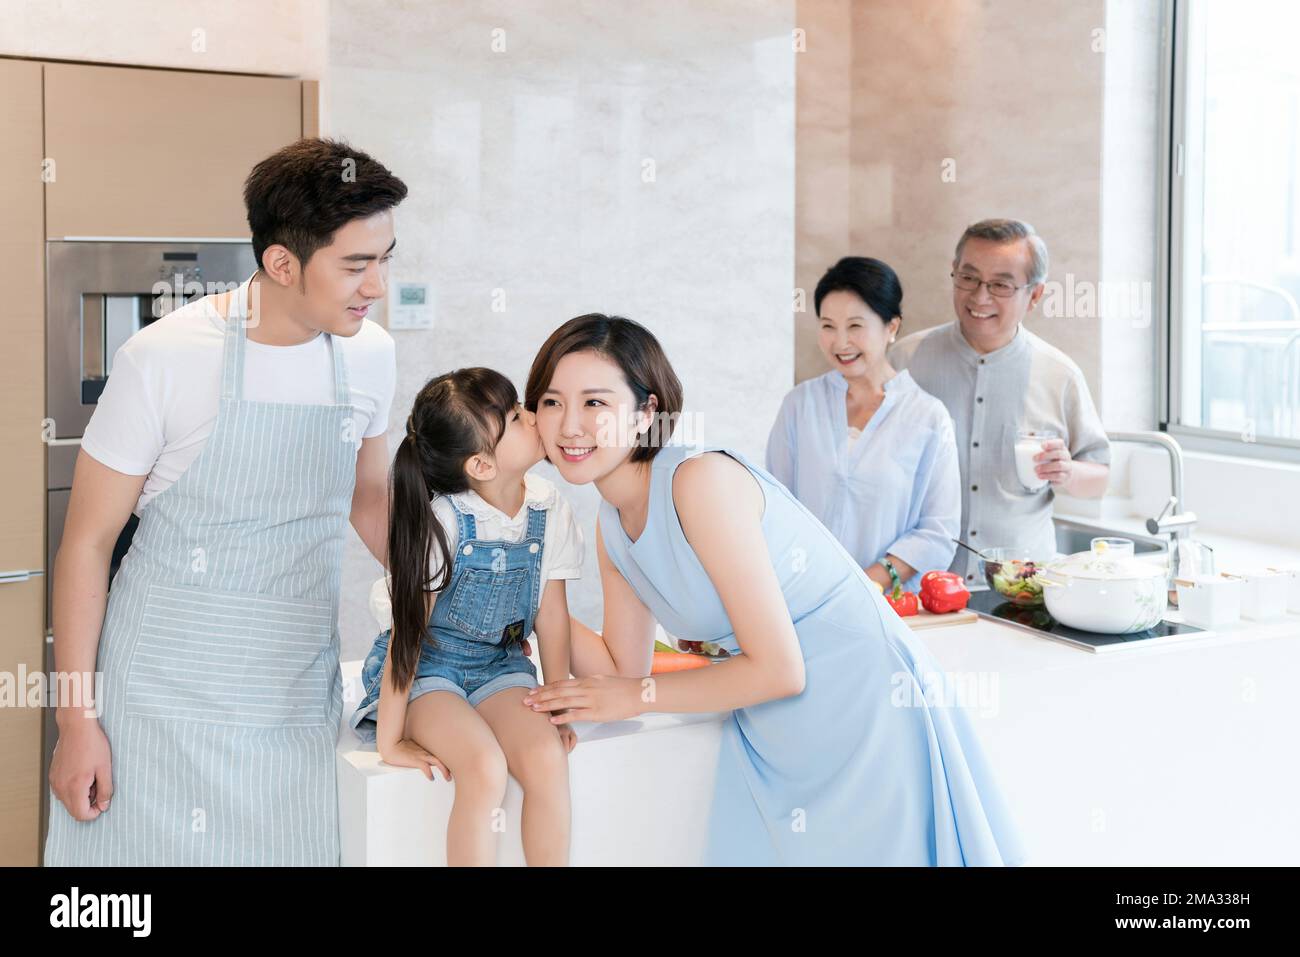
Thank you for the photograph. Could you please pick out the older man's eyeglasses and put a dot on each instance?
(997, 287)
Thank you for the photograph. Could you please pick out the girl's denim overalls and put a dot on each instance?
(477, 625)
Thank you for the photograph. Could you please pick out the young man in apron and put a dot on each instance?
(245, 429)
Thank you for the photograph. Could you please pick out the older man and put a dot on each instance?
(996, 378)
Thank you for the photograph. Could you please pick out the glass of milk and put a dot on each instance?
(1112, 547)
(1029, 442)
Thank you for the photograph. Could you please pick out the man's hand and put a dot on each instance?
(1054, 462)
(1081, 479)
(81, 772)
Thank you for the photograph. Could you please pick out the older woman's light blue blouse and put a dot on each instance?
(896, 490)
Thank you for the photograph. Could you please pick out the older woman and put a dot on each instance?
(838, 749)
(864, 447)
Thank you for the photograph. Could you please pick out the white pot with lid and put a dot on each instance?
(1106, 591)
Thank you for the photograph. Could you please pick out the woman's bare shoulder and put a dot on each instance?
(711, 482)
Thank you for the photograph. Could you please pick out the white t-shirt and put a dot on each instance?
(161, 400)
(562, 544)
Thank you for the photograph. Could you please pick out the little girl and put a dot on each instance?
(473, 573)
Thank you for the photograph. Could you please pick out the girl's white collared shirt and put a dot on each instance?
(563, 547)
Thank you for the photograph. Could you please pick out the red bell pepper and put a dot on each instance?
(903, 602)
(942, 592)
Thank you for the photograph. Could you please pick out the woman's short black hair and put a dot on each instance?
(299, 196)
(871, 280)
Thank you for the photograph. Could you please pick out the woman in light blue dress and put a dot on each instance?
(864, 447)
(842, 747)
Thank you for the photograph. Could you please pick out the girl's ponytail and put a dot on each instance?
(411, 530)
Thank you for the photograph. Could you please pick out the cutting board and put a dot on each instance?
(928, 619)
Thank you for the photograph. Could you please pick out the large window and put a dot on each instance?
(1234, 226)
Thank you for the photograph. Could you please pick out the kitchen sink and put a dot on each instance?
(1072, 536)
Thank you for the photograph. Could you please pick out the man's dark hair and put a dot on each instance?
(301, 195)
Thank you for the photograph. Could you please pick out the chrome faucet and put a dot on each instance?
(1173, 520)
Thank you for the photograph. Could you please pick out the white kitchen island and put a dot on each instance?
(1182, 754)
(641, 790)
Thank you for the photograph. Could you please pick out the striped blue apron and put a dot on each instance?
(219, 653)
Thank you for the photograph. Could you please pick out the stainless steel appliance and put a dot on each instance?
(98, 294)
(1187, 556)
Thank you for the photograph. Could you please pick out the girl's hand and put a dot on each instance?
(598, 698)
(408, 754)
(568, 737)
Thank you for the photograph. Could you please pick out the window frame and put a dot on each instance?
(1171, 377)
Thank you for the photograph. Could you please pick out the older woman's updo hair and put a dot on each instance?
(630, 346)
(870, 280)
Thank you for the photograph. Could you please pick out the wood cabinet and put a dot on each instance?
(161, 153)
(22, 455)
(22, 606)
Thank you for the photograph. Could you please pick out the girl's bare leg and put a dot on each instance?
(537, 758)
(444, 724)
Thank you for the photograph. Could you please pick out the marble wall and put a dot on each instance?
(562, 157)
(916, 119)
(687, 163)
(823, 166)
(964, 110)
(569, 158)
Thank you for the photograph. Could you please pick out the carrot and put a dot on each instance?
(665, 661)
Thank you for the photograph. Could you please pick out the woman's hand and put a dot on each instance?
(408, 754)
(598, 698)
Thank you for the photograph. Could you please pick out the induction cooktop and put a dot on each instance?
(989, 604)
